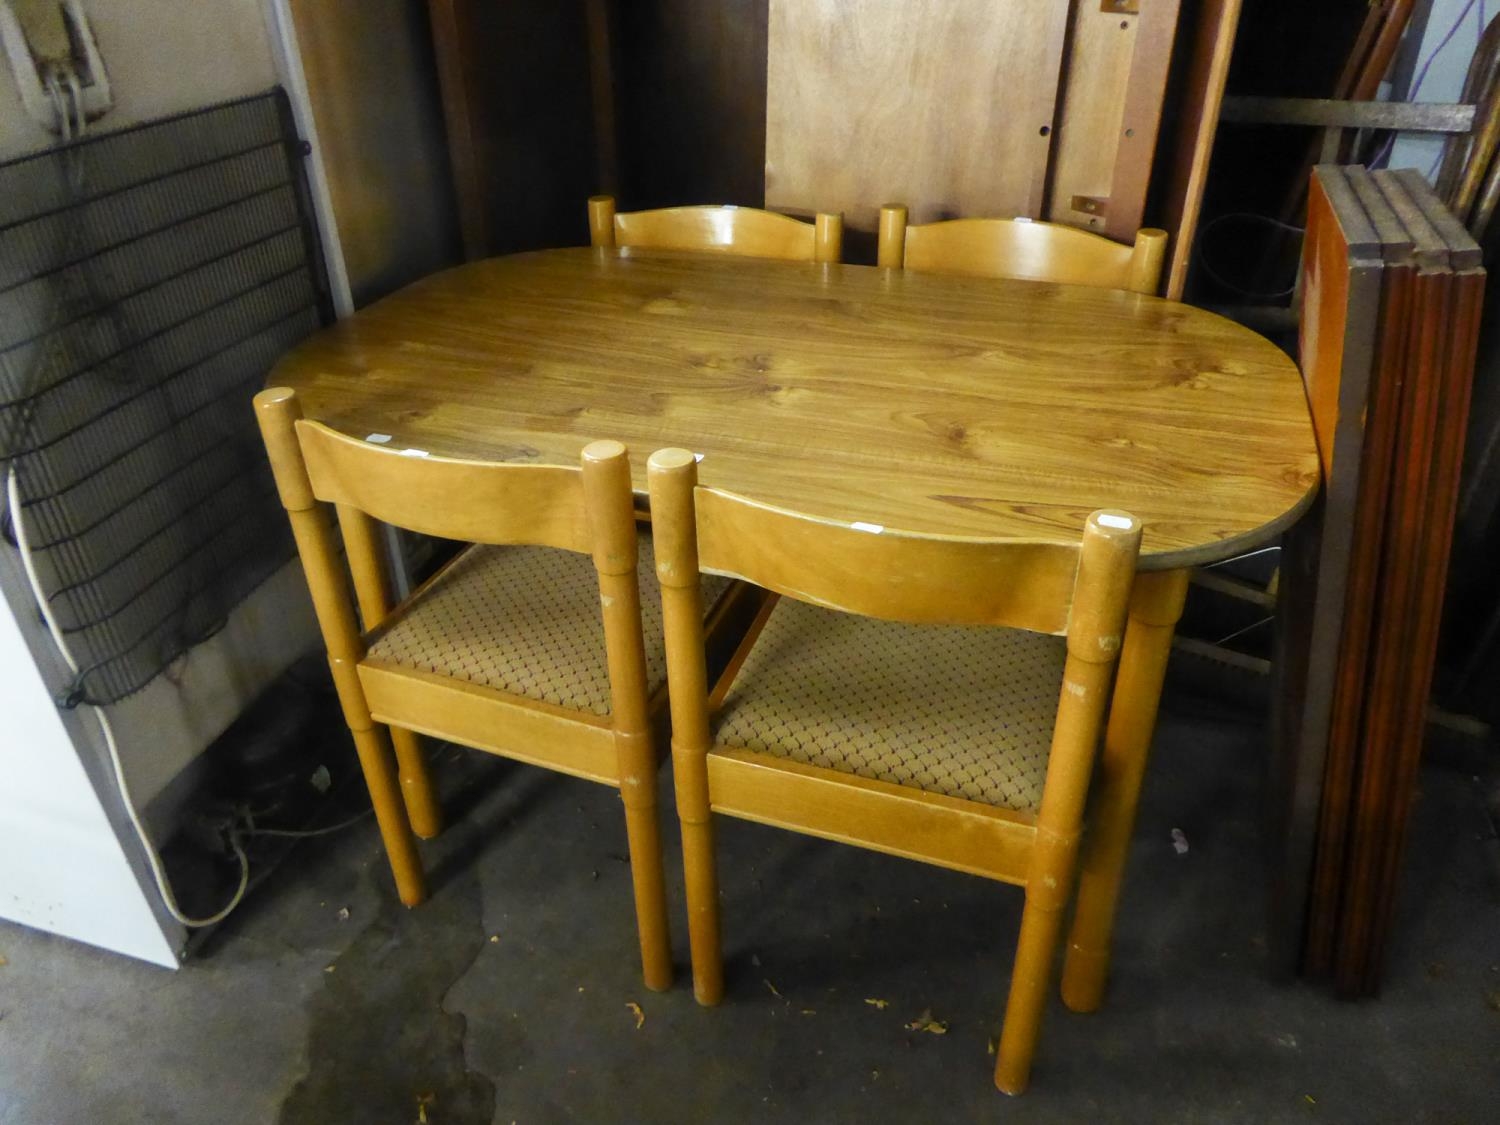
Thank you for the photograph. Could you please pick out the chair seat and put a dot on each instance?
(525, 620)
(962, 711)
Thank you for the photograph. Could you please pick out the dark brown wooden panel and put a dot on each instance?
(1340, 321)
(518, 102)
(690, 88)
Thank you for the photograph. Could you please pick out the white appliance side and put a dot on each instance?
(67, 865)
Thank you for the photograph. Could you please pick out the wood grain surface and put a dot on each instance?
(949, 106)
(1197, 124)
(918, 402)
(1343, 263)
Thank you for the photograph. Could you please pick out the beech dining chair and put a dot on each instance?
(529, 644)
(934, 698)
(1027, 249)
(746, 231)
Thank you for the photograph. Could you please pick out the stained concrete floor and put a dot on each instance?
(508, 996)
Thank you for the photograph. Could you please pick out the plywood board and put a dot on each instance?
(947, 106)
(1342, 268)
(1135, 144)
(1198, 124)
(1417, 561)
(1101, 46)
(1325, 782)
(1394, 657)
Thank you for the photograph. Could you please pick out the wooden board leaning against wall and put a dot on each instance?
(1069, 101)
(1098, 113)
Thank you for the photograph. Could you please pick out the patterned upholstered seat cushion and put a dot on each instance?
(525, 620)
(967, 712)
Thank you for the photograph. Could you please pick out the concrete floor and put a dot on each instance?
(508, 996)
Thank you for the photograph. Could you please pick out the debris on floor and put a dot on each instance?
(640, 1016)
(1179, 841)
(925, 1022)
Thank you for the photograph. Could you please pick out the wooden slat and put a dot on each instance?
(1426, 117)
(1198, 124)
(1096, 76)
(529, 730)
(996, 843)
(1135, 139)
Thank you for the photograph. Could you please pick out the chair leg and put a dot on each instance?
(277, 411)
(643, 830)
(636, 753)
(390, 813)
(1030, 981)
(703, 910)
(1154, 609)
(422, 807)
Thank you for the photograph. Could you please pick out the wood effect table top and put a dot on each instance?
(917, 402)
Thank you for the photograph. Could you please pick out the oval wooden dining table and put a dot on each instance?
(892, 399)
(917, 402)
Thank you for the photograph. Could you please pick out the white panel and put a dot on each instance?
(63, 866)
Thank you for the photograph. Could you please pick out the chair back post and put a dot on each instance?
(611, 516)
(278, 411)
(602, 221)
(607, 495)
(828, 237)
(891, 250)
(673, 476)
(1146, 259)
(1106, 573)
(1096, 626)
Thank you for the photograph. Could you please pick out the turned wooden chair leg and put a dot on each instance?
(1041, 925)
(673, 473)
(375, 760)
(702, 880)
(643, 831)
(612, 519)
(417, 791)
(1106, 568)
(277, 411)
(366, 553)
(1155, 608)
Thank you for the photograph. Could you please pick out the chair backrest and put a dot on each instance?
(588, 509)
(1079, 590)
(745, 231)
(1027, 249)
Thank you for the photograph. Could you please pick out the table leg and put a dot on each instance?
(1155, 606)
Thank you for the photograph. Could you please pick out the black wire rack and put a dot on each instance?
(149, 278)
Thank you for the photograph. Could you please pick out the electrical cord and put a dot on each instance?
(308, 833)
(1214, 275)
(1382, 157)
(158, 871)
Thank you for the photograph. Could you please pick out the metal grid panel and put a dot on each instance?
(148, 280)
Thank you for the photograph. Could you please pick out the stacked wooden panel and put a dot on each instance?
(1390, 321)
